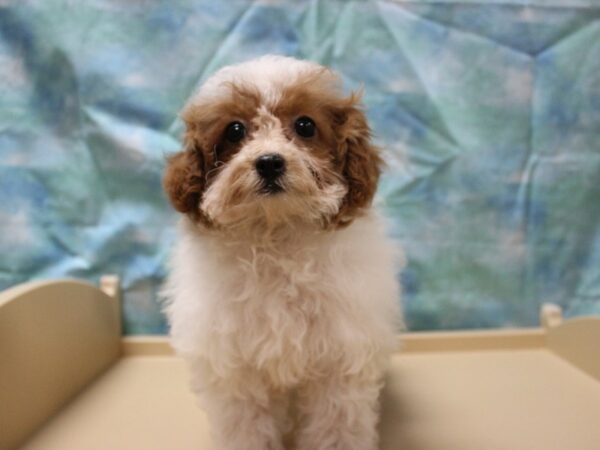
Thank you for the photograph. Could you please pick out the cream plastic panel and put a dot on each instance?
(578, 341)
(55, 337)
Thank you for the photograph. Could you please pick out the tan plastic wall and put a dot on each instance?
(55, 337)
(578, 341)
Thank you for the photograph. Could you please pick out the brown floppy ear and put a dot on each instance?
(184, 180)
(359, 161)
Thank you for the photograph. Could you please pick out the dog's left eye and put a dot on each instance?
(235, 132)
(305, 127)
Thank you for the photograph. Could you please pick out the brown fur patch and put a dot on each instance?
(360, 164)
(191, 171)
(184, 182)
(343, 137)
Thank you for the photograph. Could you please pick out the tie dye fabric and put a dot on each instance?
(489, 114)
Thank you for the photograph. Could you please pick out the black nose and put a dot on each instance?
(270, 167)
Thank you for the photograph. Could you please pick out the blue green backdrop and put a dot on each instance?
(489, 113)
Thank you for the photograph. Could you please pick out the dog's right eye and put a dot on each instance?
(235, 132)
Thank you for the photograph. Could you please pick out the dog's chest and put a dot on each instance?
(287, 310)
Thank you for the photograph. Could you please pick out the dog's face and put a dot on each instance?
(272, 142)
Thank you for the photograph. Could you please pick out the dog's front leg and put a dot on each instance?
(339, 414)
(242, 419)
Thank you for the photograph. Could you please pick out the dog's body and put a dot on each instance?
(283, 285)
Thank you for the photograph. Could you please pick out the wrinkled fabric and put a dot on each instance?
(488, 112)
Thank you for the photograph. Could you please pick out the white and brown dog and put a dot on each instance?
(282, 294)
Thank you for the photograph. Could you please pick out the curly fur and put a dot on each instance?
(284, 306)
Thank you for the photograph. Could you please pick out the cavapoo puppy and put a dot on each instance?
(282, 294)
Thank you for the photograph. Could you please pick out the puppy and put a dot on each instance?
(282, 295)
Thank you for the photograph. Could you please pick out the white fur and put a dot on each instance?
(317, 315)
(268, 74)
(284, 324)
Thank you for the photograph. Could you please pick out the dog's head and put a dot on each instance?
(273, 141)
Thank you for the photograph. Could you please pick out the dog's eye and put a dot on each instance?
(235, 132)
(305, 127)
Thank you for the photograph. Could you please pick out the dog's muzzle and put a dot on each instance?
(270, 169)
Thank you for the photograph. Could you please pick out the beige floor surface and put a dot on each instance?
(492, 400)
